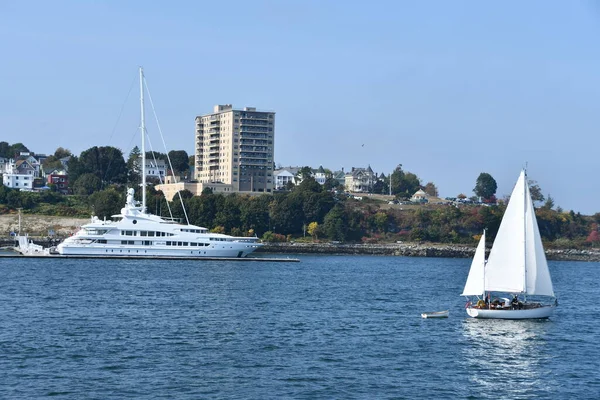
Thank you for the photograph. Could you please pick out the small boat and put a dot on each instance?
(435, 314)
(516, 267)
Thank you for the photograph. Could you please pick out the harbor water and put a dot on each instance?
(343, 327)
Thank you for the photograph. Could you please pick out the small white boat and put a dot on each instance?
(435, 314)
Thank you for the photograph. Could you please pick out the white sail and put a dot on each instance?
(505, 271)
(474, 285)
(537, 272)
(517, 263)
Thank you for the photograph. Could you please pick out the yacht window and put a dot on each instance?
(150, 233)
(143, 233)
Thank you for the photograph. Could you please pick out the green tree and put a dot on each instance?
(331, 183)
(61, 152)
(431, 189)
(180, 161)
(86, 184)
(107, 163)
(409, 184)
(51, 162)
(549, 203)
(535, 192)
(304, 173)
(17, 148)
(5, 150)
(134, 176)
(106, 202)
(336, 224)
(485, 186)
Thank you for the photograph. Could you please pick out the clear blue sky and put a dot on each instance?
(448, 89)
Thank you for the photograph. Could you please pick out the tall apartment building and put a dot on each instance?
(235, 149)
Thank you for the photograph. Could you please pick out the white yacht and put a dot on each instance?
(138, 234)
(135, 233)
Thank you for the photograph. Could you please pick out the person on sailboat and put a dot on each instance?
(515, 302)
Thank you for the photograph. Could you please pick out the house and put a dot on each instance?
(359, 180)
(419, 197)
(155, 168)
(19, 175)
(285, 175)
(320, 175)
(340, 177)
(59, 179)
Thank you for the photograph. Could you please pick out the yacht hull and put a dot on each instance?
(532, 313)
(231, 251)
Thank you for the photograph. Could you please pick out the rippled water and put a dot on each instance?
(327, 327)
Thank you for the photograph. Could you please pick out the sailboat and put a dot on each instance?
(516, 267)
(135, 233)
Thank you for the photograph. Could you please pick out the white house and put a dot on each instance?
(320, 175)
(419, 197)
(285, 175)
(156, 169)
(19, 175)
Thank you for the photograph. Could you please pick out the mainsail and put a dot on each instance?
(517, 263)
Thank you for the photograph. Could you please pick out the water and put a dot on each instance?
(328, 327)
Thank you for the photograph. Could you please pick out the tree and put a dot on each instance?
(485, 186)
(180, 161)
(87, 184)
(549, 204)
(151, 155)
(593, 237)
(17, 148)
(107, 163)
(431, 189)
(52, 162)
(106, 202)
(5, 150)
(61, 152)
(304, 173)
(313, 230)
(134, 177)
(409, 184)
(535, 192)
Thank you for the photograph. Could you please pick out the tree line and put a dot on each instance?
(311, 212)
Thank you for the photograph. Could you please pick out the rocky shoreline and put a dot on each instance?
(385, 249)
(412, 250)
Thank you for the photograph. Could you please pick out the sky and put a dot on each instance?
(447, 89)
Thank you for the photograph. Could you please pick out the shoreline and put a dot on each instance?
(413, 250)
(383, 249)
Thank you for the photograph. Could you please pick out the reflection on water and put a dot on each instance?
(504, 356)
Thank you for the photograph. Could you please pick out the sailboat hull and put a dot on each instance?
(532, 313)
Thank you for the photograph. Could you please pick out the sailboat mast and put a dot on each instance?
(525, 194)
(143, 128)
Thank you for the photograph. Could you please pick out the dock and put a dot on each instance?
(16, 254)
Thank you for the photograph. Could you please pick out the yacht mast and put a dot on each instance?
(143, 128)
